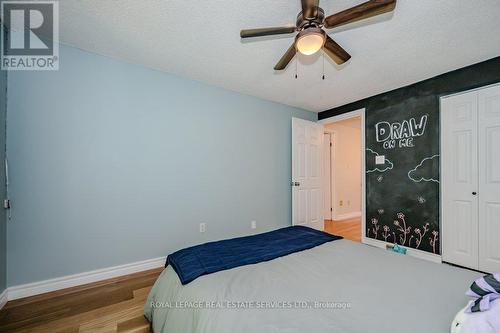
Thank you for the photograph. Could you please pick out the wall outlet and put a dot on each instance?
(341, 203)
(203, 227)
(253, 224)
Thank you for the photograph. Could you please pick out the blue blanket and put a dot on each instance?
(193, 262)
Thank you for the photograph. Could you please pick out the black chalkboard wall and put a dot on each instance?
(402, 193)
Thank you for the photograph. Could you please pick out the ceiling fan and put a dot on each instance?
(310, 23)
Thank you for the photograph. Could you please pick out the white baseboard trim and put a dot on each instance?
(412, 252)
(347, 216)
(69, 281)
(3, 299)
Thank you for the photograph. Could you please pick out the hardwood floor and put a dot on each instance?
(349, 229)
(110, 306)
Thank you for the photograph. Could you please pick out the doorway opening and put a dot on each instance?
(343, 171)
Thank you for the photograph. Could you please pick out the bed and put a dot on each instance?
(339, 286)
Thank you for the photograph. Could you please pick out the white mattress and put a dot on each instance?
(373, 290)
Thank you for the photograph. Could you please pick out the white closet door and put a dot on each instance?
(307, 173)
(459, 170)
(489, 179)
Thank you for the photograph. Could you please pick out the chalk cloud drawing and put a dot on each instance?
(426, 171)
(372, 167)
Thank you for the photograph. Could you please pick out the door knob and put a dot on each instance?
(295, 184)
(474, 193)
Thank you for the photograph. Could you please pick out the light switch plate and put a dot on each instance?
(380, 159)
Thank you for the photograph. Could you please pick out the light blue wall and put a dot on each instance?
(3, 220)
(113, 163)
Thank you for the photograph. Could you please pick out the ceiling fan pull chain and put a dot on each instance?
(323, 65)
(296, 64)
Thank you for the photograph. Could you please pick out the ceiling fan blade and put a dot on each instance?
(360, 12)
(287, 57)
(335, 51)
(266, 31)
(309, 8)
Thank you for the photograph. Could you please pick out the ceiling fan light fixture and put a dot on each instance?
(310, 40)
(310, 23)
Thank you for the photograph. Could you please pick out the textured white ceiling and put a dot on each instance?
(199, 39)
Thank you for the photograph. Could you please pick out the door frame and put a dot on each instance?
(353, 114)
(331, 171)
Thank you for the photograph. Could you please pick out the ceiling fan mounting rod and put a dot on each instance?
(317, 21)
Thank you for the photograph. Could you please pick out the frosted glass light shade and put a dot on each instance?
(310, 41)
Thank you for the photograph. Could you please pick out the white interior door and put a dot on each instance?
(459, 170)
(307, 169)
(489, 179)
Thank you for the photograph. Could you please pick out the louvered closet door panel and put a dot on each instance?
(489, 179)
(459, 176)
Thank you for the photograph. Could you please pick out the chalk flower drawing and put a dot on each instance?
(406, 237)
(433, 240)
(381, 211)
(421, 234)
(402, 228)
(388, 165)
(375, 227)
(427, 175)
(387, 232)
(409, 242)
